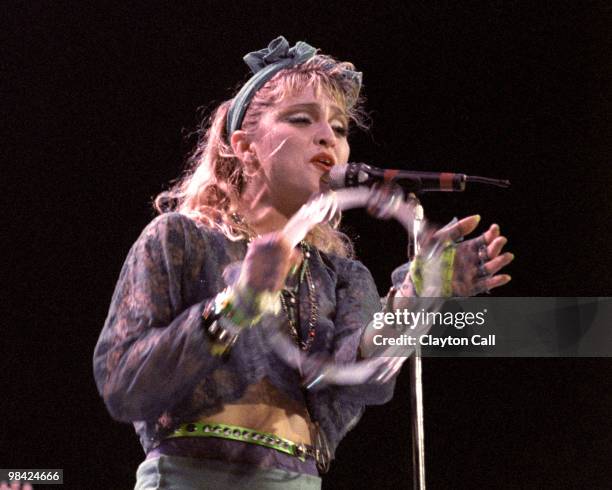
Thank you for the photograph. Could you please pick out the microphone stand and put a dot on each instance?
(350, 177)
(416, 374)
(416, 379)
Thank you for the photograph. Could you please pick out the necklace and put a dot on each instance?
(289, 300)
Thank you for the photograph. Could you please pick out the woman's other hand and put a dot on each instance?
(267, 262)
(477, 261)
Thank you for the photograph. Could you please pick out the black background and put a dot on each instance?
(101, 99)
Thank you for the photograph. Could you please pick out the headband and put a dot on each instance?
(266, 63)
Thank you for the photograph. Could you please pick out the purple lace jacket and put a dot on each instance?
(152, 363)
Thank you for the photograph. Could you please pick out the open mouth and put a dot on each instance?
(325, 168)
(324, 161)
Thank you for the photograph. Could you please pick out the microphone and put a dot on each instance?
(361, 174)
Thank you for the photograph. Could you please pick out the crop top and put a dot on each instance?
(152, 362)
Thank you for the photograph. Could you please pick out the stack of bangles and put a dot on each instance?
(232, 310)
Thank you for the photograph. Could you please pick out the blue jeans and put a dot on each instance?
(181, 473)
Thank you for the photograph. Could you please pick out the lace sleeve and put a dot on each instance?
(152, 351)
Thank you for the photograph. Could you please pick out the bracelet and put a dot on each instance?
(416, 275)
(246, 306)
(447, 261)
(222, 334)
(443, 265)
(225, 316)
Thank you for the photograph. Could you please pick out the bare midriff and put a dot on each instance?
(266, 409)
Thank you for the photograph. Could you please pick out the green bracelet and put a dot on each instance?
(416, 275)
(444, 264)
(245, 308)
(447, 261)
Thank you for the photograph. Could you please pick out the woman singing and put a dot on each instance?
(214, 406)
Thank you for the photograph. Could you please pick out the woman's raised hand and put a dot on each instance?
(477, 261)
(267, 262)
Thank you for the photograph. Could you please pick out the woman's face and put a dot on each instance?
(297, 142)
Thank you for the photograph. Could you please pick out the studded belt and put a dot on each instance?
(242, 434)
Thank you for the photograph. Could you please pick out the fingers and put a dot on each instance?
(491, 234)
(486, 284)
(459, 229)
(498, 262)
(495, 247)
(497, 281)
(267, 262)
(466, 226)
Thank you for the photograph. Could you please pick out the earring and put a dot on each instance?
(251, 165)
